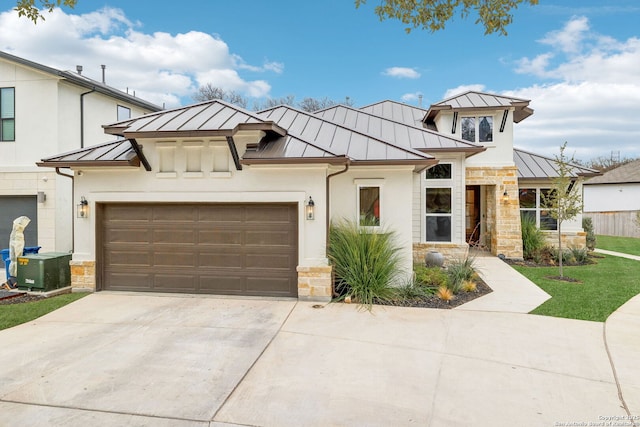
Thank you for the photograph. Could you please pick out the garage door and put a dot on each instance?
(12, 207)
(233, 249)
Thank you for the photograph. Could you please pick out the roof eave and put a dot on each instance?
(134, 162)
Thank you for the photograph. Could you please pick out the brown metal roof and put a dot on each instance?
(625, 174)
(402, 134)
(478, 100)
(397, 111)
(339, 140)
(116, 153)
(534, 166)
(208, 118)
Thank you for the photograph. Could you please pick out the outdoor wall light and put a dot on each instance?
(310, 209)
(505, 197)
(83, 208)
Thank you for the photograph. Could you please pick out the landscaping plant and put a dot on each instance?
(587, 226)
(365, 262)
(459, 271)
(532, 238)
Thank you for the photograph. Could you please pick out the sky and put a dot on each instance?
(578, 61)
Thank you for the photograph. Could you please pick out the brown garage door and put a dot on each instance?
(233, 249)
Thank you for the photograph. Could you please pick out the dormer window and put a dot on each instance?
(477, 129)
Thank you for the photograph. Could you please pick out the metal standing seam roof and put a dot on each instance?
(480, 100)
(534, 166)
(83, 81)
(337, 139)
(114, 153)
(626, 174)
(402, 134)
(397, 111)
(213, 117)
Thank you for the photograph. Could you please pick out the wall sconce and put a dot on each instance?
(83, 208)
(310, 209)
(41, 197)
(505, 197)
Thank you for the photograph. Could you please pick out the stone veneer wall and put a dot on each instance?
(570, 239)
(502, 218)
(315, 283)
(83, 275)
(449, 250)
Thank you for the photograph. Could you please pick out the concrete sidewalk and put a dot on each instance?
(618, 254)
(512, 292)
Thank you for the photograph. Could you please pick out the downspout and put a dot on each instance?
(82, 115)
(327, 220)
(328, 198)
(73, 227)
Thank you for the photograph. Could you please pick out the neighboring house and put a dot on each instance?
(44, 111)
(223, 200)
(612, 201)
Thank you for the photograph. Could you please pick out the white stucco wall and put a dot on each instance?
(47, 118)
(396, 198)
(611, 197)
(499, 151)
(252, 184)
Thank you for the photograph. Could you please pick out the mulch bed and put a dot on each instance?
(7, 297)
(433, 301)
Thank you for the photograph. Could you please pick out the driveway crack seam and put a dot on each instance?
(254, 362)
(615, 376)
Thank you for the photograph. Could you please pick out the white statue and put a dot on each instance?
(16, 243)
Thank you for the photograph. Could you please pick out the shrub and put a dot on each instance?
(469, 286)
(581, 255)
(587, 225)
(567, 256)
(533, 240)
(365, 262)
(459, 271)
(430, 276)
(411, 291)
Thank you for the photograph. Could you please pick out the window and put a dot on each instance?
(7, 114)
(438, 211)
(124, 113)
(477, 129)
(439, 171)
(369, 206)
(532, 206)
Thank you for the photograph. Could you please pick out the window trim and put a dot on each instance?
(12, 119)
(477, 120)
(538, 208)
(438, 183)
(368, 183)
(122, 107)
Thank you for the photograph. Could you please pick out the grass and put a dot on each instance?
(603, 288)
(627, 245)
(16, 314)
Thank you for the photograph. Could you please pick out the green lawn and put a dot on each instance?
(627, 245)
(604, 287)
(15, 314)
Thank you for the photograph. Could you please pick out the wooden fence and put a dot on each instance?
(621, 223)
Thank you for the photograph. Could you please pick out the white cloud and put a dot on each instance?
(591, 97)
(160, 67)
(462, 89)
(401, 73)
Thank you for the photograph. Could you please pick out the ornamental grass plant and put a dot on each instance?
(365, 261)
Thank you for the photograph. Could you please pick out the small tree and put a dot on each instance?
(564, 201)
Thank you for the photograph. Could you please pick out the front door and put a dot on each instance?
(472, 212)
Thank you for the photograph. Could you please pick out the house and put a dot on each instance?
(211, 198)
(44, 111)
(612, 201)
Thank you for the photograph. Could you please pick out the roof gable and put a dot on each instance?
(472, 100)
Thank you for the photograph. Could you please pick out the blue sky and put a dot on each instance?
(577, 61)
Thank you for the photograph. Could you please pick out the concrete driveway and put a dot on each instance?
(153, 360)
